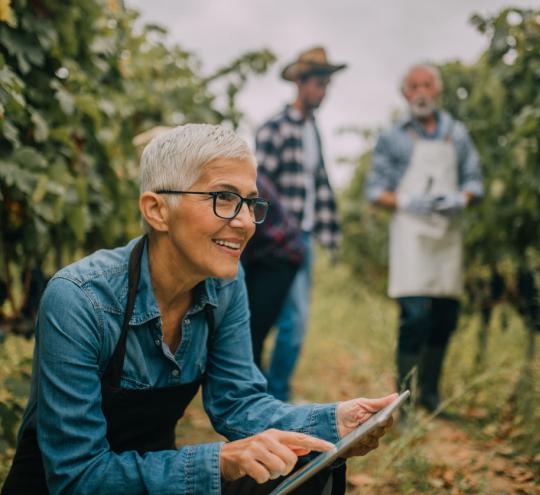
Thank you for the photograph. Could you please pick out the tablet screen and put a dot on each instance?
(326, 458)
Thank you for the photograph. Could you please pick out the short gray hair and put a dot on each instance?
(174, 159)
(434, 70)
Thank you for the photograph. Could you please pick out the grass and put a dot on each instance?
(350, 351)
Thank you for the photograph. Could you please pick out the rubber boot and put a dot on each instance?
(429, 376)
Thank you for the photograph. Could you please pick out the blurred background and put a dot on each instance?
(379, 42)
(80, 79)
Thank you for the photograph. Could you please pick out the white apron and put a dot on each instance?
(426, 250)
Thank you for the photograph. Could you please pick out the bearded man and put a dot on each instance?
(426, 170)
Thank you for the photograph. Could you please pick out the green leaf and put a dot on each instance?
(29, 158)
(10, 132)
(65, 99)
(78, 222)
(41, 129)
(87, 104)
(12, 175)
(41, 189)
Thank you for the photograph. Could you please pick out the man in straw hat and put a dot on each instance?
(289, 154)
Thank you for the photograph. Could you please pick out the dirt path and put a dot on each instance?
(480, 467)
(462, 465)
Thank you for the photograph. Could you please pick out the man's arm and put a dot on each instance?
(382, 180)
(378, 183)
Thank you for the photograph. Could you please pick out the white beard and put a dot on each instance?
(422, 107)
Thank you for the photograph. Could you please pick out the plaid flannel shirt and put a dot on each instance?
(278, 236)
(280, 157)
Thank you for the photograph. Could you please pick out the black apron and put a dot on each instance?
(142, 420)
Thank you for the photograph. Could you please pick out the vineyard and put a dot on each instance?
(80, 79)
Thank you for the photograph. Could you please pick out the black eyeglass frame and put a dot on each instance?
(251, 202)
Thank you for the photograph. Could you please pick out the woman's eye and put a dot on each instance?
(227, 196)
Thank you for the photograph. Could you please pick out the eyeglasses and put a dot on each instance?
(227, 204)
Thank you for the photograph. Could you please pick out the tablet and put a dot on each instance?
(326, 458)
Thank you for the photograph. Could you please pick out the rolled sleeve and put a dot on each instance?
(323, 422)
(202, 468)
(378, 179)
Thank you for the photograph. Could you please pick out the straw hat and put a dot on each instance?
(312, 61)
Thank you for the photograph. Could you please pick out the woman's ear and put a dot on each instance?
(155, 210)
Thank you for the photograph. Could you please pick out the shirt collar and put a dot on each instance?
(444, 122)
(146, 307)
(296, 115)
(410, 119)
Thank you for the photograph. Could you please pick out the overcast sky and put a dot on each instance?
(378, 39)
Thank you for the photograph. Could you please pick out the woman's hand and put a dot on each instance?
(267, 455)
(353, 413)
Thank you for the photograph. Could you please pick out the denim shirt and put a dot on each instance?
(79, 324)
(394, 149)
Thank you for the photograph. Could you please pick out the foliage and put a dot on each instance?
(365, 229)
(15, 372)
(78, 80)
(498, 99)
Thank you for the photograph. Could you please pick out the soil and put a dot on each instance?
(463, 465)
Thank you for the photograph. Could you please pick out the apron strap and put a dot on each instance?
(211, 323)
(116, 364)
(113, 372)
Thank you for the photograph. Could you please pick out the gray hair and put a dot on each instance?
(174, 159)
(435, 72)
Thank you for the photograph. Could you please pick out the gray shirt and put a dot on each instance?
(311, 161)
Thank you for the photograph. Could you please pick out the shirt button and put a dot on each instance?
(157, 342)
(175, 372)
(187, 321)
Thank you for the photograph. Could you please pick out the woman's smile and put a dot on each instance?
(230, 245)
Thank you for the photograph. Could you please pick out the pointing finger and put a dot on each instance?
(299, 441)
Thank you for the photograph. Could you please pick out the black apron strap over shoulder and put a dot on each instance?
(113, 372)
(211, 322)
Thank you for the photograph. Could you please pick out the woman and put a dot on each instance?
(125, 337)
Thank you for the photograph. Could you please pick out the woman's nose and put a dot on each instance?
(244, 216)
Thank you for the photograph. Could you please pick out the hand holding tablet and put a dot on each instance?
(353, 413)
(355, 442)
